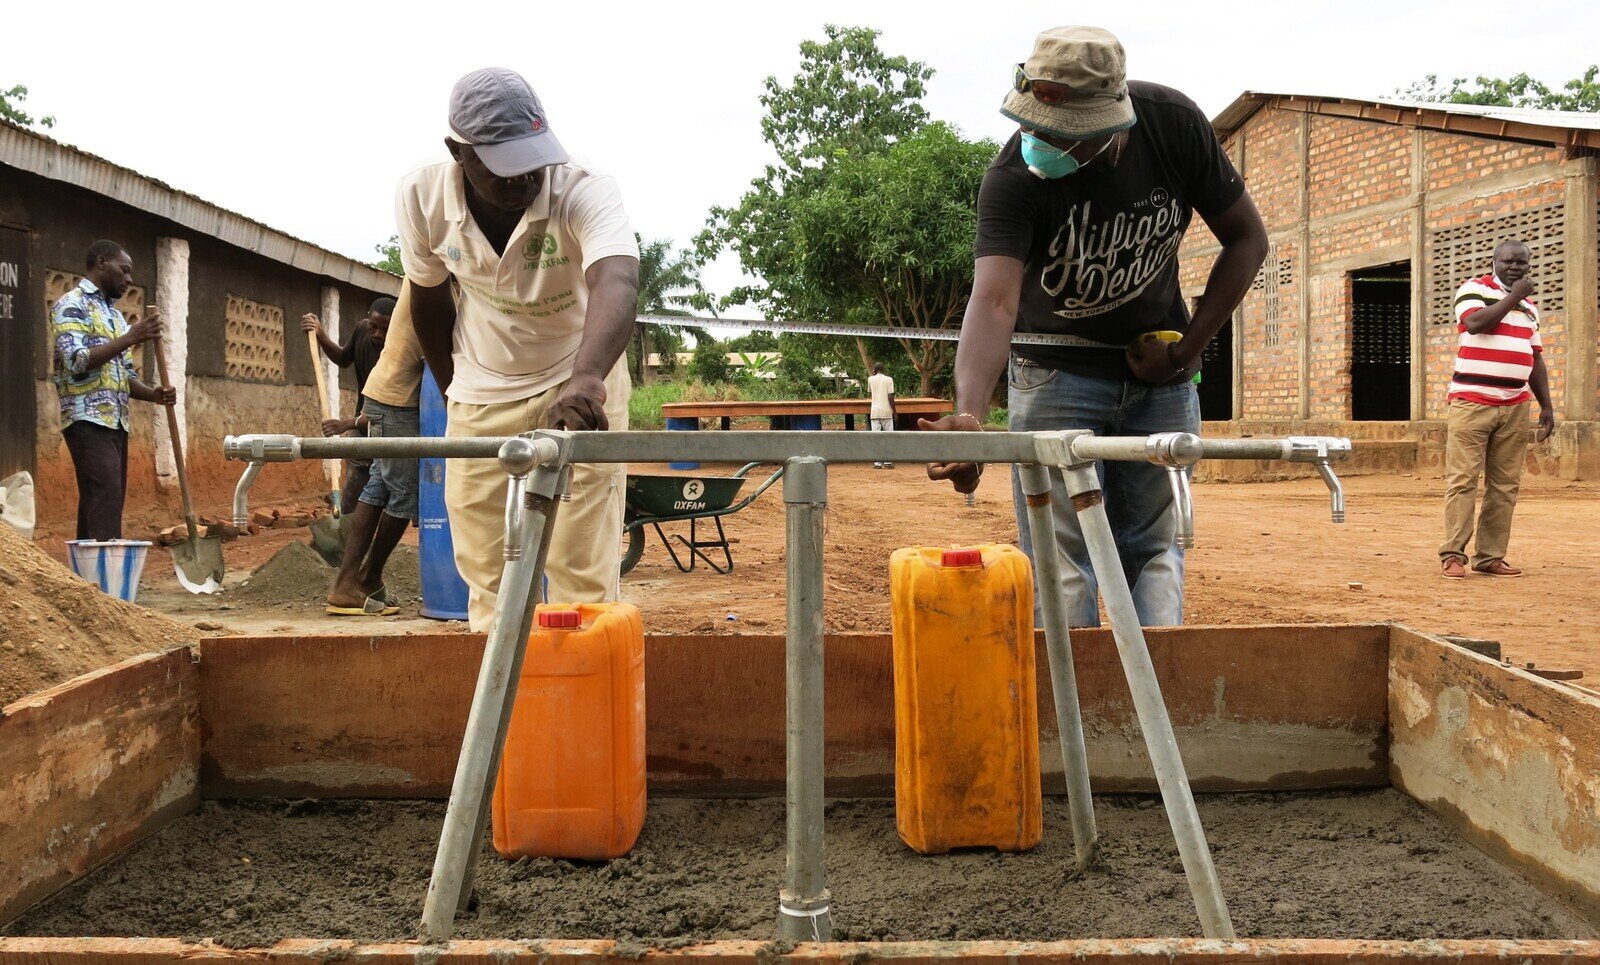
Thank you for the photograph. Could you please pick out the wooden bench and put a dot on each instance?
(808, 413)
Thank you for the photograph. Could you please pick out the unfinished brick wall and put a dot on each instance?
(1355, 177)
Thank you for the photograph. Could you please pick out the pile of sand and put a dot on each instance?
(296, 575)
(55, 626)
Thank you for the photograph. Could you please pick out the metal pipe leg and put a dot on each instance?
(803, 902)
(539, 497)
(1063, 676)
(492, 699)
(1084, 487)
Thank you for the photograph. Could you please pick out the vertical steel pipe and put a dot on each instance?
(803, 902)
(1084, 487)
(1063, 675)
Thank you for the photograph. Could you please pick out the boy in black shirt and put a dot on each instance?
(1080, 218)
(359, 352)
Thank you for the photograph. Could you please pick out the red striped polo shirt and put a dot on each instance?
(1493, 368)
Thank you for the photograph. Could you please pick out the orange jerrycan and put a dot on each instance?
(571, 782)
(966, 738)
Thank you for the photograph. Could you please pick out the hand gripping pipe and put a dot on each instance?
(1063, 676)
(530, 517)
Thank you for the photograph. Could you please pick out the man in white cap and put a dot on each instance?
(523, 274)
(1080, 218)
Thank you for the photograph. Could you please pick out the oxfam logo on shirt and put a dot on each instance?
(539, 251)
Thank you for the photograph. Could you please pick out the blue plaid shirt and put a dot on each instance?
(82, 319)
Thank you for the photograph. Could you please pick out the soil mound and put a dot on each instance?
(296, 575)
(55, 626)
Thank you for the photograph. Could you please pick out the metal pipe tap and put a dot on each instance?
(241, 494)
(1321, 451)
(1182, 505)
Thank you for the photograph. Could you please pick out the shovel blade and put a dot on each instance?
(327, 538)
(199, 565)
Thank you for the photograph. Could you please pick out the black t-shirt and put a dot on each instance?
(363, 351)
(1100, 245)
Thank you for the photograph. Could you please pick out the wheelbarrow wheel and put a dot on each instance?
(632, 547)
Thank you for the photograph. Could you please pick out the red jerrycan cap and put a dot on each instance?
(962, 558)
(560, 619)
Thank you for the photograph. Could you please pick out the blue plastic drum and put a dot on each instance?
(444, 593)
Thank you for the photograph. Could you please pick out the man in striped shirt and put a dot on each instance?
(1499, 365)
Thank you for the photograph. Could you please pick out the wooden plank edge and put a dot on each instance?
(1159, 951)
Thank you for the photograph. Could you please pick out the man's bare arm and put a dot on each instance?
(607, 325)
(1244, 247)
(433, 317)
(981, 357)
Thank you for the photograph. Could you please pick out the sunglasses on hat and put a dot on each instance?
(1054, 91)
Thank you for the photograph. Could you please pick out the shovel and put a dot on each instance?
(327, 537)
(197, 559)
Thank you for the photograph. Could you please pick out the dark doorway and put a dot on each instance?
(1380, 343)
(1216, 376)
(19, 325)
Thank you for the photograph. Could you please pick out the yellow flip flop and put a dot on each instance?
(371, 607)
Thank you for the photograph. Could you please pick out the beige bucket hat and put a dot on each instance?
(1091, 62)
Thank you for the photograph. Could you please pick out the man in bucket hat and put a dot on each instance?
(523, 273)
(1080, 218)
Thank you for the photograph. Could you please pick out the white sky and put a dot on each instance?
(303, 115)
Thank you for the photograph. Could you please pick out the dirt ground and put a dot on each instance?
(1267, 553)
(1346, 865)
(54, 626)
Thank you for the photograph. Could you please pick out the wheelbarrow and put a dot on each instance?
(654, 500)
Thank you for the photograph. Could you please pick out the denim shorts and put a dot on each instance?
(392, 486)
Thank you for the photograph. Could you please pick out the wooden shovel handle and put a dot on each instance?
(322, 397)
(177, 440)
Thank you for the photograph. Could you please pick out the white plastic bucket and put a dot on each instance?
(114, 565)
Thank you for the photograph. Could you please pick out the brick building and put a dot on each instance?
(1376, 212)
(231, 289)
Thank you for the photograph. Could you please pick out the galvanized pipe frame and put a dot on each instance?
(804, 910)
(1048, 448)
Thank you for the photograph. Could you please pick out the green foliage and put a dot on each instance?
(869, 216)
(710, 362)
(389, 256)
(669, 284)
(754, 342)
(890, 236)
(848, 96)
(11, 108)
(1521, 90)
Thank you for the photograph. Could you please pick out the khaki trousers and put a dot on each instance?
(1492, 440)
(584, 560)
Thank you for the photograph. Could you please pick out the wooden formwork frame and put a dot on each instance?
(1507, 759)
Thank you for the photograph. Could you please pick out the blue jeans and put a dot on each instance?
(1138, 497)
(393, 483)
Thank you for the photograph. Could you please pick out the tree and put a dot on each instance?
(1521, 90)
(888, 237)
(842, 129)
(389, 256)
(849, 97)
(11, 108)
(710, 363)
(669, 284)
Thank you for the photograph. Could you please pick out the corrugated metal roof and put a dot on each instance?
(48, 158)
(1569, 129)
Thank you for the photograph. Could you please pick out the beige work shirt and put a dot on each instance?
(519, 316)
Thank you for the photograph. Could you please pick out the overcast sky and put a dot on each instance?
(303, 115)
